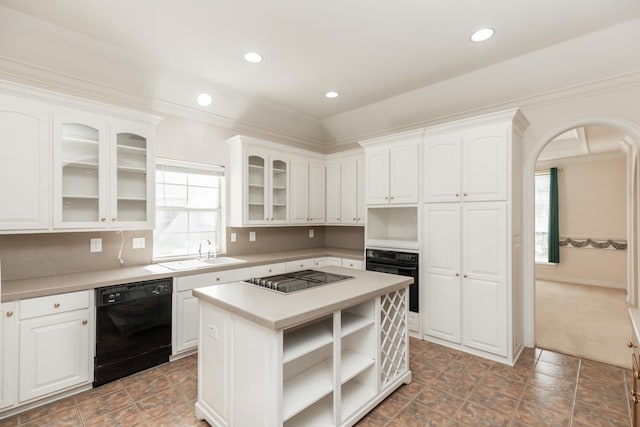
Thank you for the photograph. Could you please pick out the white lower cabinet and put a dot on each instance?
(8, 352)
(54, 334)
(352, 263)
(302, 264)
(327, 372)
(185, 321)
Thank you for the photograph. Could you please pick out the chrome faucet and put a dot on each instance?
(200, 247)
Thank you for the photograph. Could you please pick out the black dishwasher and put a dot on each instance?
(133, 328)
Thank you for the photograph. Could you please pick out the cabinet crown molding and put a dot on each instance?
(407, 136)
(513, 115)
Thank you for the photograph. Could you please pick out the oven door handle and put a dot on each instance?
(397, 266)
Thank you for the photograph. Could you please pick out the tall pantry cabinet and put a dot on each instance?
(472, 235)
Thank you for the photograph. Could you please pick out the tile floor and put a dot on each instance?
(449, 388)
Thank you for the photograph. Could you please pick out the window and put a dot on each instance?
(542, 181)
(189, 209)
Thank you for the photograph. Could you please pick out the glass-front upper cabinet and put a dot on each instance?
(266, 188)
(80, 179)
(101, 178)
(130, 205)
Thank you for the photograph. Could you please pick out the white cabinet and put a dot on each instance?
(185, 313)
(469, 164)
(352, 263)
(466, 256)
(299, 265)
(259, 183)
(307, 191)
(345, 190)
(25, 164)
(103, 172)
(8, 353)
(328, 371)
(269, 269)
(392, 168)
(54, 334)
(471, 235)
(328, 260)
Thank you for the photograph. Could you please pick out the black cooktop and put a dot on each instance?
(297, 281)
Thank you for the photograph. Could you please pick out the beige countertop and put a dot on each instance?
(280, 311)
(13, 290)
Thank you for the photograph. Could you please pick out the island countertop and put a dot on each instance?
(276, 310)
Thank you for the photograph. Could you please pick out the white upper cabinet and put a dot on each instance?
(345, 195)
(25, 165)
(469, 165)
(307, 191)
(259, 183)
(392, 168)
(103, 172)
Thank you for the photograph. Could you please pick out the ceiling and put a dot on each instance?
(583, 143)
(368, 51)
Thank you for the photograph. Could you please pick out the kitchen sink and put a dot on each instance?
(189, 264)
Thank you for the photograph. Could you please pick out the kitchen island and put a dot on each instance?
(321, 356)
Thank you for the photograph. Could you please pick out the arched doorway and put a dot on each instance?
(632, 132)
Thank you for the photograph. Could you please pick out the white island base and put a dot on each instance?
(329, 370)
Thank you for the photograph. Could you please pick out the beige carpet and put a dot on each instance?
(584, 321)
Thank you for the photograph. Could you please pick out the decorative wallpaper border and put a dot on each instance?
(611, 244)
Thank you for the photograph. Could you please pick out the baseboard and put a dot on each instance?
(582, 281)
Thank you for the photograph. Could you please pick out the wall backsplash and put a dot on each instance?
(35, 255)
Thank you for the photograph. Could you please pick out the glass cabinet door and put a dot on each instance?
(131, 179)
(256, 189)
(81, 181)
(278, 191)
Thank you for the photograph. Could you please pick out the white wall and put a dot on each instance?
(592, 204)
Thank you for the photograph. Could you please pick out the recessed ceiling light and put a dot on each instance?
(332, 94)
(204, 99)
(253, 57)
(482, 35)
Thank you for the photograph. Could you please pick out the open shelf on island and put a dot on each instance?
(352, 323)
(306, 388)
(305, 340)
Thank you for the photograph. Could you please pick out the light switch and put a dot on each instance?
(96, 245)
(234, 237)
(311, 233)
(252, 236)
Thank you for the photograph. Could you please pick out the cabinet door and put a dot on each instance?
(334, 188)
(132, 177)
(299, 191)
(403, 173)
(8, 353)
(484, 176)
(442, 271)
(256, 186)
(279, 186)
(81, 172)
(361, 207)
(484, 267)
(317, 194)
(442, 168)
(187, 321)
(24, 165)
(349, 193)
(377, 176)
(54, 353)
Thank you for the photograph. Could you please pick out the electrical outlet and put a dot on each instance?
(138, 243)
(252, 236)
(212, 331)
(95, 245)
(311, 235)
(234, 237)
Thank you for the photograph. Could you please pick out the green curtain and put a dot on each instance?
(554, 229)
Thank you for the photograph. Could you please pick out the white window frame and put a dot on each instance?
(537, 232)
(221, 242)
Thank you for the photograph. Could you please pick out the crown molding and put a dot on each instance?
(73, 87)
(571, 93)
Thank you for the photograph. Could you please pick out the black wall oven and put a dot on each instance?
(400, 263)
(133, 328)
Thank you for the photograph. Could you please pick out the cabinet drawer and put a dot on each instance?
(187, 283)
(269, 269)
(302, 264)
(53, 304)
(352, 263)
